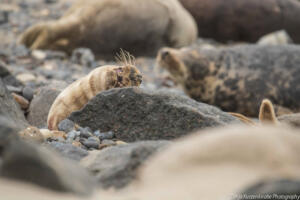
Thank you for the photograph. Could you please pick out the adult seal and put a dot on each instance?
(244, 20)
(238, 78)
(138, 26)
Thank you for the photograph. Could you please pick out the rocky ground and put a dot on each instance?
(104, 145)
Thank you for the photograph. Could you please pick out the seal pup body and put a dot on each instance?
(138, 26)
(237, 79)
(77, 94)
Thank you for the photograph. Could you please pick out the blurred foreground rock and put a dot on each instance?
(117, 166)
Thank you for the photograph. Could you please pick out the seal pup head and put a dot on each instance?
(127, 75)
(168, 59)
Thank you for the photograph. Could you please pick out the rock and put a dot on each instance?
(290, 119)
(276, 38)
(7, 77)
(26, 77)
(23, 103)
(46, 133)
(38, 54)
(9, 108)
(232, 20)
(85, 132)
(271, 189)
(214, 164)
(104, 136)
(117, 166)
(40, 106)
(66, 125)
(30, 163)
(4, 16)
(32, 134)
(8, 132)
(136, 114)
(68, 150)
(83, 56)
(28, 93)
(90, 144)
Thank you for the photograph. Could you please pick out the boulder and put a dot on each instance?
(117, 166)
(10, 109)
(40, 106)
(139, 114)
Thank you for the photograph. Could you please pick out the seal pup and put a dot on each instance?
(140, 27)
(242, 20)
(77, 94)
(237, 79)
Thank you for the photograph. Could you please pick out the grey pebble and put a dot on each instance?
(72, 134)
(85, 132)
(93, 138)
(106, 135)
(28, 93)
(89, 143)
(66, 125)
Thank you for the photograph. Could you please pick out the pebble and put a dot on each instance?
(85, 132)
(24, 104)
(93, 138)
(38, 54)
(33, 134)
(28, 93)
(91, 144)
(83, 56)
(66, 125)
(72, 134)
(14, 89)
(25, 77)
(104, 136)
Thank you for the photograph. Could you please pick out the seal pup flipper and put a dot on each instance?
(242, 118)
(267, 113)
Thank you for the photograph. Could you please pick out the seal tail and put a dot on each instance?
(267, 113)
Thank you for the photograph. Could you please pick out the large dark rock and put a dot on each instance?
(136, 114)
(30, 163)
(9, 108)
(243, 20)
(117, 166)
(271, 189)
(40, 106)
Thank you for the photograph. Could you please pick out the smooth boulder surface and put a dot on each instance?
(117, 166)
(10, 109)
(290, 119)
(243, 20)
(139, 114)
